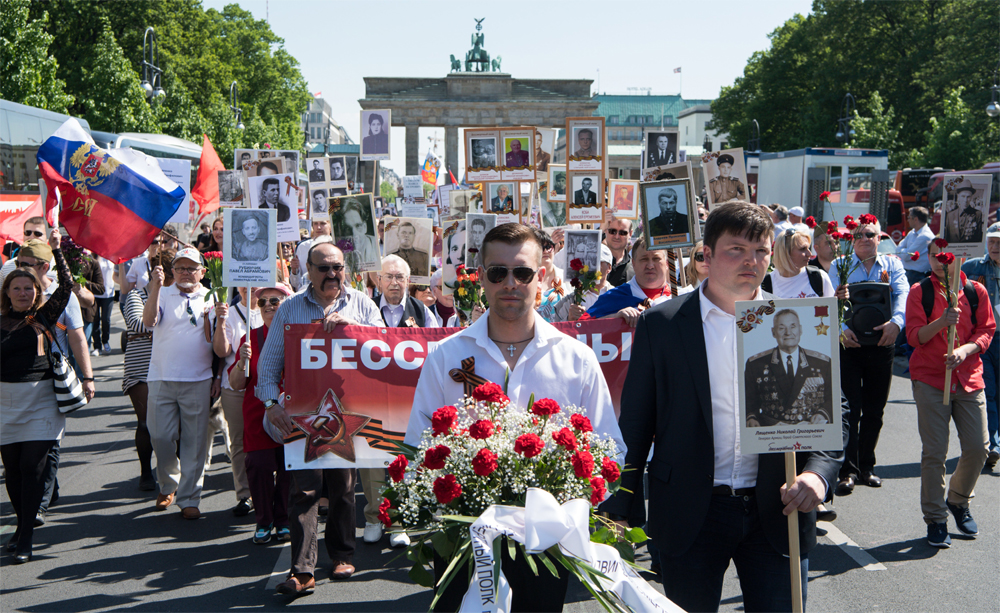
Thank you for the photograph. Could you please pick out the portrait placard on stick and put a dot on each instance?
(477, 225)
(230, 188)
(518, 151)
(460, 203)
(412, 239)
(668, 214)
(585, 145)
(338, 171)
(452, 252)
(557, 183)
(502, 197)
(482, 148)
(552, 213)
(725, 175)
(545, 144)
(681, 170)
(965, 213)
(586, 196)
(375, 135)
(583, 245)
(352, 219)
(279, 193)
(250, 245)
(624, 195)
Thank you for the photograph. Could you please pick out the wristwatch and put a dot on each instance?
(270, 403)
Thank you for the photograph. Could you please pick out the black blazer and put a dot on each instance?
(667, 395)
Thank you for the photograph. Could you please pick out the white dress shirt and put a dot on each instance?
(916, 241)
(784, 360)
(552, 365)
(394, 312)
(138, 274)
(732, 467)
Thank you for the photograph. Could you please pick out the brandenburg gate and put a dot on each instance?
(478, 96)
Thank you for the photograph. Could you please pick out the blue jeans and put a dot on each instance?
(732, 531)
(991, 372)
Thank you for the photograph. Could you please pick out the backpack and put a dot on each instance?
(927, 298)
(815, 281)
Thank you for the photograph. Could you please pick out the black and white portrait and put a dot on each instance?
(460, 202)
(484, 152)
(230, 188)
(412, 239)
(318, 204)
(250, 236)
(477, 225)
(667, 213)
(273, 192)
(375, 135)
(585, 143)
(351, 170)
(338, 191)
(249, 247)
(583, 245)
(661, 149)
(584, 190)
(243, 157)
(965, 213)
(557, 182)
(291, 158)
(338, 172)
(317, 172)
(355, 233)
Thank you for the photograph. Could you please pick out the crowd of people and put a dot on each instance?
(232, 373)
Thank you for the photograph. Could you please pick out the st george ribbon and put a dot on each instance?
(540, 524)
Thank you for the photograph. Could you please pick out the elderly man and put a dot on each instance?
(585, 144)
(181, 382)
(618, 237)
(328, 298)
(320, 227)
(866, 371)
(649, 286)
(516, 157)
(795, 215)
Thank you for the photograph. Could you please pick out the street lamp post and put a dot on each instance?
(326, 140)
(844, 130)
(152, 75)
(234, 106)
(993, 108)
(753, 144)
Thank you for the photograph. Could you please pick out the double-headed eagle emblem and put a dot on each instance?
(90, 166)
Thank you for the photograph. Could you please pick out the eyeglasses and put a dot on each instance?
(398, 278)
(699, 257)
(325, 268)
(522, 274)
(614, 232)
(273, 301)
(869, 235)
(34, 233)
(422, 288)
(193, 319)
(186, 270)
(27, 265)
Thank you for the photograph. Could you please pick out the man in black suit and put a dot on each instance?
(660, 153)
(670, 221)
(317, 174)
(271, 199)
(584, 195)
(709, 504)
(377, 141)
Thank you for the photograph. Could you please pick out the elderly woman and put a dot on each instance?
(696, 270)
(30, 421)
(792, 276)
(265, 456)
(138, 351)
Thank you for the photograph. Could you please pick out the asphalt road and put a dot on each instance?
(105, 548)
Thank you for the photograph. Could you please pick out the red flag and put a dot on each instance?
(13, 216)
(206, 187)
(454, 181)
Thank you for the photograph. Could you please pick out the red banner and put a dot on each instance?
(358, 383)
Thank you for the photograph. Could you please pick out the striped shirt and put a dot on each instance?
(139, 350)
(302, 308)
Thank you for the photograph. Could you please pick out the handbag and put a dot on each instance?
(69, 390)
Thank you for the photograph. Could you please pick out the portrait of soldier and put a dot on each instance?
(788, 384)
(542, 158)
(250, 239)
(584, 195)
(484, 154)
(963, 220)
(559, 183)
(724, 187)
(659, 152)
(418, 260)
(623, 198)
(316, 173)
(553, 213)
(669, 220)
(585, 143)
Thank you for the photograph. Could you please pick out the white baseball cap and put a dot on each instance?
(606, 255)
(188, 253)
(993, 231)
(797, 211)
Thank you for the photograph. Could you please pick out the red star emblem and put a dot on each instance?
(797, 446)
(330, 428)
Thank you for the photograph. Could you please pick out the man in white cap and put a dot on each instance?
(795, 215)
(181, 382)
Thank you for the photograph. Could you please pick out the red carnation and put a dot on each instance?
(868, 219)
(847, 236)
(481, 429)
(576, 264)
(914, 256)
(446, 489)
(940, 243)
(564, 438)
(847, 219)
(945, 258)
(545, 406)
(581, 423)
(490, 392)
(831, 227)
(575, 282)
(529, 445)
(398, 468)
(583, 463)
(443, 419)
(484, 463)
(597, 490)
(810, 222)
(435, 456)
(824, 196)
(610, 470)
(383, 512)
(460, 269)
(851, 225)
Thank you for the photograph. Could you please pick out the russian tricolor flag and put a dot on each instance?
(114, 201)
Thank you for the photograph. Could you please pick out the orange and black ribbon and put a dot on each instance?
(467, 376)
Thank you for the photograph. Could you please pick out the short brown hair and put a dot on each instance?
(739, 219)
(510, 234)
(920, 213)
(35, 221)
(5, 303)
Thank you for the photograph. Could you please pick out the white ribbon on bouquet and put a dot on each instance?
(540, 524)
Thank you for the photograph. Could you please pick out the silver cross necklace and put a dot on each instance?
(512, 347)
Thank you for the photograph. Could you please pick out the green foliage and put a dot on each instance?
(388, 191)
(956, 138)
(28, 72)
(902, 61)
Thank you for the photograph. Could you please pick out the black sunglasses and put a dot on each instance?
(273, 301)
(522, 274)
(699, 257)
(34, 233)
(326, 268)
(614, 232)
(27, 265)
(865, 234)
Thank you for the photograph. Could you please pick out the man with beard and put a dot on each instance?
(330, 300)
(511, 343)
(416, 259)
(270, 193)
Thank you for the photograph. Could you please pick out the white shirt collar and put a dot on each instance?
(707, 306)
(479, 331)
(382, 303)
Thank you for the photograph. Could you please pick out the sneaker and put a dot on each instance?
(963, 518)
(95, 352)
(262, 535)
(106, 348)
(991, 461)
(373, 532)
(243, 507)
(40, 518)
(283, 534)
(398, 539)
(937, 535)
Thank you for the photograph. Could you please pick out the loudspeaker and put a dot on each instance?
(871, 306)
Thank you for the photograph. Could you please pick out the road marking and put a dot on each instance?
(859, 555)
(7, 529)
(281, 568)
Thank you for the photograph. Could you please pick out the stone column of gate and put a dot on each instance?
(451, 151)
(412, 153)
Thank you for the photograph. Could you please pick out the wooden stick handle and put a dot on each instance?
(794, 559)
(952, 330)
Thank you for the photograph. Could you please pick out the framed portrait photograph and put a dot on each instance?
(557, 182)
(452, 252)
(355, 233)
(725, 176)
(527, 200)
(434, 214)
(460, 203)
(319, 205)
(583, 245)
(789, 375)
(280, 193)
(545, 144)
(266, 167)
(668, 214)
(585, 197)
(291, 157)
(518, 154)
(661, 148)
(351, 170)
(318, 170)
(243, 157)
(375, 135)
(482, 148)
(443, 199)
(412, 239)
(681, 170)
(965, 213)
(250, 247)
(585, 144)
(503, 197)
(624, 197)
(477, 225)
(551, 213)
(337, 171)
(230, 188)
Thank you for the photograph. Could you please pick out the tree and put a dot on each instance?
(880, 130)
(388, 191)
(28, 75)
(955, 139)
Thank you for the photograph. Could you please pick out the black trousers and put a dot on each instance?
(865, 376)
(26, 468)
(102, 321)
(307, 489)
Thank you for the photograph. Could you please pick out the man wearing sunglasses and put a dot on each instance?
(181, 381)
(34, 229)
(866, 371)
(618, 238)
(329, 299)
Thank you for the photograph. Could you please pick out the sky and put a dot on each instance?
(620, 44)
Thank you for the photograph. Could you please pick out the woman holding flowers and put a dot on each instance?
(792, 276)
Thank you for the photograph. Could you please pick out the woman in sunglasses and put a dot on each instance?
(792, 276)
(265, 458)
(696, 270)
